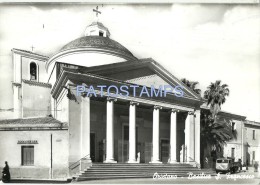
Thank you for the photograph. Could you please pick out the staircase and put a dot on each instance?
(143, 170)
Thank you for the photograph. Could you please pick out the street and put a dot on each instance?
(238, 178)
(248, 177)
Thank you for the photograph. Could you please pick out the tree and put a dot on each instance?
(192, 85)
(216, 96)
(215, 132)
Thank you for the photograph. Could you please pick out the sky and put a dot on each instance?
(198, 42)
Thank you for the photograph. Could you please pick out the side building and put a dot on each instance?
(252, 145)
(247, 144)
(234, 148)
(31, 139)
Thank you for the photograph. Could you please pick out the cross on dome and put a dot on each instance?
(97, 28)
(97, 11)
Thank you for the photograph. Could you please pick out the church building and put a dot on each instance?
(56, 133)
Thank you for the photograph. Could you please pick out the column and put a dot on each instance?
(187, 138)
(173, 136)
(85, 133)
(156, 131)
(132, 132)
(197, 136)
(110, 131)
(190, 137)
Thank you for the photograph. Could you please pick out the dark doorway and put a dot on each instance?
(233, 152)
(126, 142)
(165, 150)
(92, 147)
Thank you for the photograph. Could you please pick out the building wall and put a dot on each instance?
(62, 107)
(74, 130)
(42, 74)
(238, 144)
(29, 101)
(42, 153)
(245, 145)
(253, 144)
(36, 101)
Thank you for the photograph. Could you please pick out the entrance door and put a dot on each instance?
(125, 144)
(92, 147)
(125, 154)
(165, 150)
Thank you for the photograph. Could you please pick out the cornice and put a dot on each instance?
(70, 76)
(102, 50)
(35, 83)
(30, 54)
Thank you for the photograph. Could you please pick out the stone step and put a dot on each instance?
(151, 173)
(150, 165)
(130, 167)
(125, 176)
(126, 171)
(116, 171)
(111, 177)
(137, 170)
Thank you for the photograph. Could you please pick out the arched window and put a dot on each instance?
(33, 71)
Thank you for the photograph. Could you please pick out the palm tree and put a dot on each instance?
(216, 96)
(215, 132)
(192, 85)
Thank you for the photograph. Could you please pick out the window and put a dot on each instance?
(27, 155)
(232, 152)
(101, 34)
(253, 134)
(33, 71)
(222, 161)
(233, 126)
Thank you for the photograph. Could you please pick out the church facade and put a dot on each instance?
(56, 133)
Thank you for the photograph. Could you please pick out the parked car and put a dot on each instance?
(227, 165)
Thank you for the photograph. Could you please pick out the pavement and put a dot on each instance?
(248, 177)
(37, 181)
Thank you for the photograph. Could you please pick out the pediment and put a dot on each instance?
(148, 80)
(145, 72)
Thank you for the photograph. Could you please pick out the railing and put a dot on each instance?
(70, 167)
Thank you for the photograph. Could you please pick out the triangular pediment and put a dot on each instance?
(149, 80)
(145, 72)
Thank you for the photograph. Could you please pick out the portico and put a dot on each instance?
(156, 108)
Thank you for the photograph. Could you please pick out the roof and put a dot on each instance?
(29, 53)
(97, 42)
(32, 124)
(150, 63)
(35, 83)
(252, 123)
(76, 78)
(225, 113)
(99, 25)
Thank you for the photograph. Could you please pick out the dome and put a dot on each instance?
(99, 43)
(93, 49)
